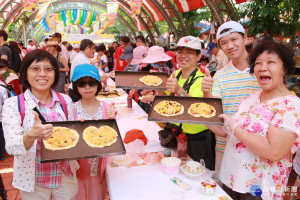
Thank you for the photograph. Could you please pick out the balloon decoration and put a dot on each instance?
(45, 24)
(75, 17)
(83, 17)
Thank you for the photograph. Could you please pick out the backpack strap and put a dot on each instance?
(63, 103)
(21, 106)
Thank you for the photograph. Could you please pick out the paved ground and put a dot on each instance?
(6, 171)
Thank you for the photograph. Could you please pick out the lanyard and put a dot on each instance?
(40, 115)
(187, 84)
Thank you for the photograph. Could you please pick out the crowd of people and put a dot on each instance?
(58, 81)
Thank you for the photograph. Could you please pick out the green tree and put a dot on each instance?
(276, 17)
(195, 16)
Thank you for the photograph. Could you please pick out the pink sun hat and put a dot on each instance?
(156, 54)
(139, 53)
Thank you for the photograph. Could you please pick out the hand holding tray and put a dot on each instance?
(82, 150)
(185, 117)
(130, 80)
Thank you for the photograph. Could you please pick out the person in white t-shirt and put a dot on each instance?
(75, 51)
(102, 58)
(32, 45)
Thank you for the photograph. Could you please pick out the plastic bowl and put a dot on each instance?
(170, 165)
(208, 187)
(189, 174)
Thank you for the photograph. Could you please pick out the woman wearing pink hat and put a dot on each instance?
(158, 59)
(139, 53)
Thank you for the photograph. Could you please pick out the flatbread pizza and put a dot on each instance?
(61, 139)
(151, 80)
(169, 108)
(100, 137)
(202, 110)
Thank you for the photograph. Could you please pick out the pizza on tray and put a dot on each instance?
(169, 108)
(100, 137)
(151, 80)
(61, 139)
(202, 110)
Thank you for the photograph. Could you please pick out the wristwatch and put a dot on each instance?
(183, 94)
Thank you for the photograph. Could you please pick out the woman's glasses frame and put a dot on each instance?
(38, 69)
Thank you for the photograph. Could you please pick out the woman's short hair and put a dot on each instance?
(4, 63)
(285, 53)
(75, 87)
(37, 55)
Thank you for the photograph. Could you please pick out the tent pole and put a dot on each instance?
(24, 33)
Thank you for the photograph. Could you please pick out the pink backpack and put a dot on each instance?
(21, 105)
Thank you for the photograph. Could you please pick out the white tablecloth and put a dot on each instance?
(150, 183)
(147, 182)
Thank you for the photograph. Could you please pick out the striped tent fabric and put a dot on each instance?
(188, 5)
(7, 10)
(241, 1)
(139, 26)
(154, 12)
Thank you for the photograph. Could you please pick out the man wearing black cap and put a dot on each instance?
(218, 58)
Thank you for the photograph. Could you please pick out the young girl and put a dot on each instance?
(87, 83)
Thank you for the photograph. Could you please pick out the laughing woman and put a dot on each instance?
(264, 132)
(24, 133)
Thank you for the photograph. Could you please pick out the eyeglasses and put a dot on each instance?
(188, 53)
(37, 69)
(85, 83)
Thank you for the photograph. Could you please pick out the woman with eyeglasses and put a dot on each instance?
(55, 49)
(86, 85)
(24, 133)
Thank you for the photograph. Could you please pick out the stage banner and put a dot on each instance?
(96, 25)
(105, 38)
(136, 6)
(53, 18)
(103, 23)
(59, 26)
(112, 10)
(29, 5)
(43, 5)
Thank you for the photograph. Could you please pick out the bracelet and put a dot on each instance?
(149, 99)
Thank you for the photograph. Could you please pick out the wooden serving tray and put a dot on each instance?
(82, 150)
(130, 80)
(186, 118)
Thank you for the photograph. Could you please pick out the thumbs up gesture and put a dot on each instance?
(207, 83)
(39, 130)
(172, 84)
(110, 111)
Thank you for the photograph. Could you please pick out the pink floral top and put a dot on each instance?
(240, 167)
